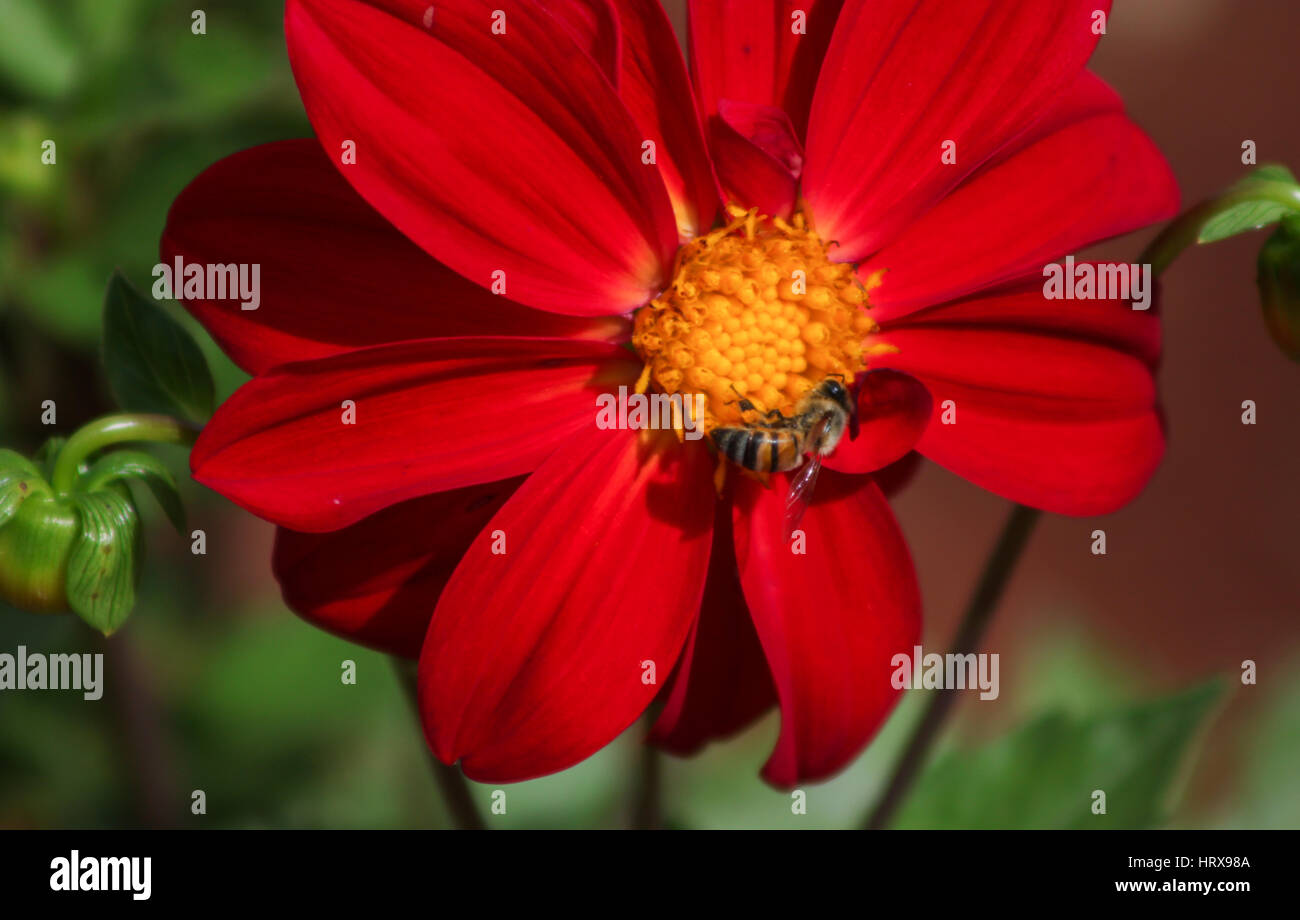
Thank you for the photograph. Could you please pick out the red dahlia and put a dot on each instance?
(513, 207)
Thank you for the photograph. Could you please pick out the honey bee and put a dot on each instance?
(777, 443)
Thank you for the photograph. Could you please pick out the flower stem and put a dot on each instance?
(1185, 230)
(647, 812)
(148, 754)
(979, 611)
(451, 781)
(115, 429)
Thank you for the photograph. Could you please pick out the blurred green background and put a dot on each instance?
(213, 685)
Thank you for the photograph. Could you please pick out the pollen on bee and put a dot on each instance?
(756, 316)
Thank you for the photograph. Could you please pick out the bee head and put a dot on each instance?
(833, 388)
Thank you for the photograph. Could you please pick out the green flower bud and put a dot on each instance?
(1279, 285)
(35, 544)
(77, 550)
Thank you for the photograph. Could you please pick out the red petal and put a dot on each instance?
(1023, 372)
(377, 581)
(592, 24)
(657, 91)
(901, 77)
(1094, 179)
(759, 159)
(830, 620)
(334, 275)
(534, 659)
(722, 682)
(430, 416)
(749, 51)
(494, 152)
(1022, 306)
(1066, 426)
(893, 411)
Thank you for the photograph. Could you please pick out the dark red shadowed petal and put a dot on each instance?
(830, 620)
(1094, 179)
(750, 51)
(493, 152)
(901, 77)
(759, 158)
(429, 416)
(377, 581)
(535, 658)
(1021, 306)
(334, 274)
(656, 89)
(1063, 425)
(1086, 97)
(722, 683)
(594, 27)
(893, 411)
(898, 475)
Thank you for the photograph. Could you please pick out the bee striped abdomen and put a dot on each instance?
(763, 450)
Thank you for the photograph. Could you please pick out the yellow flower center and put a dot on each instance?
(756, 311)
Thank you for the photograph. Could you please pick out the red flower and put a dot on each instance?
(558, 150)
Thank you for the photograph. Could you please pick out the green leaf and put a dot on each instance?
(1272, 172)
(37, 57)
(218, 73)
(1267, 796)
(1043, 776)
(122, 465)
(1249, 215)
(101, 568)
(60, 294)
(153, 363)
(22, 174)
(19, 480)
(1279, 285)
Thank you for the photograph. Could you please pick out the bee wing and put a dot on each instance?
(801, 489)
(801, 486)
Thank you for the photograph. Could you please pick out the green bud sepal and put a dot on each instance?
(70, 535)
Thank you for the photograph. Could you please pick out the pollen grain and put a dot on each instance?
(756, 311)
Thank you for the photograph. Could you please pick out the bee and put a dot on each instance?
(777, 443)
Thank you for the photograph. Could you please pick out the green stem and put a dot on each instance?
(451, 781)
(647, 810)
(1001, 563)
(1184, 231)
(115, 429)
(1164, 249)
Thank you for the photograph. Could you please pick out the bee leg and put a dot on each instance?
(720, 475)
(742, 403)
(643, 382)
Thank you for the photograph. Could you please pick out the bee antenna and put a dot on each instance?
(743, 401)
